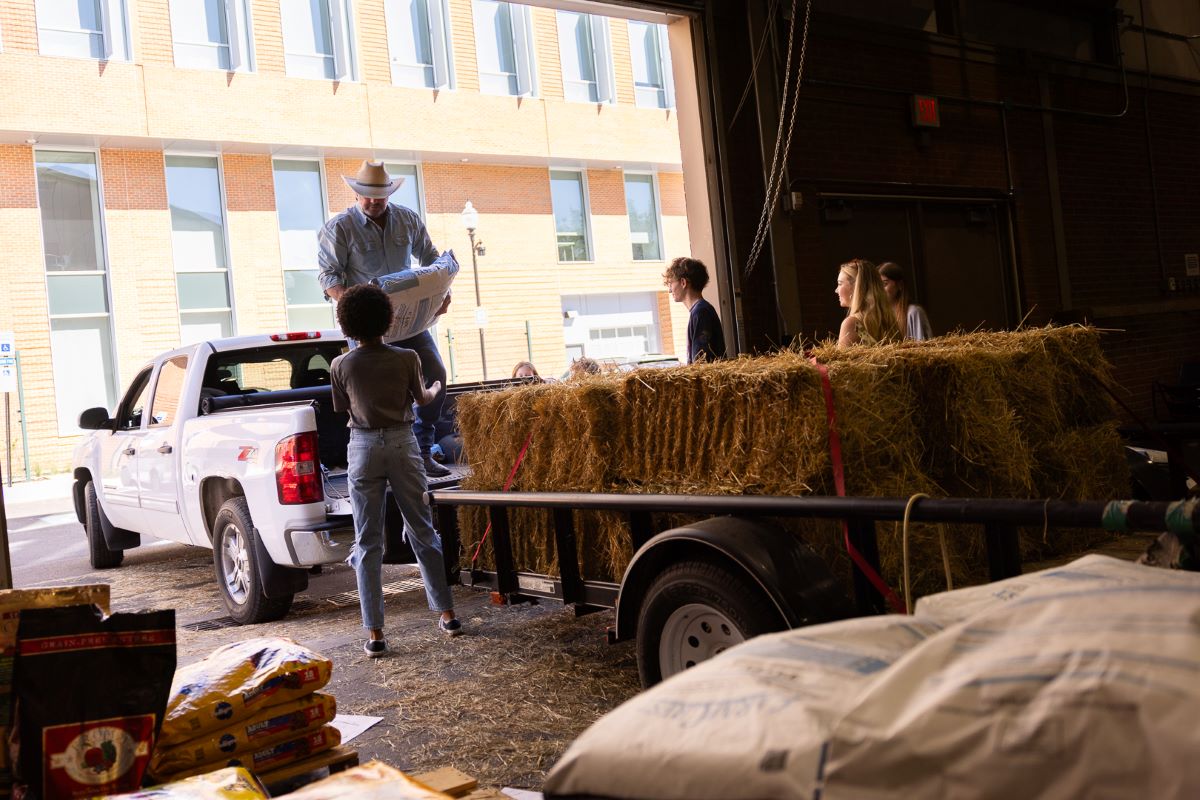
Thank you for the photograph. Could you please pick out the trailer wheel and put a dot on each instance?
(693, 611)
(100, 556)
(237, 573)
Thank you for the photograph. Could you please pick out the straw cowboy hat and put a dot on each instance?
(373, 181)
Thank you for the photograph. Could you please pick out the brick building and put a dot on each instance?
(164, 165)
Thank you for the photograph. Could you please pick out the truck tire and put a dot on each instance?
(98, 553)
(238, 577)
(695, 610)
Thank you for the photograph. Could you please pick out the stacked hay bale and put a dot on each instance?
(978, 415)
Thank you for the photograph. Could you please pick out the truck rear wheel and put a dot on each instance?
(695, 610)
(238, 575)
(100, 556)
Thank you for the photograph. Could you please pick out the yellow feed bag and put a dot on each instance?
(231, 783)
(237, 681)
(280, 754)
(272, 724)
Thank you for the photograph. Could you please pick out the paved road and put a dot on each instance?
(48, 547)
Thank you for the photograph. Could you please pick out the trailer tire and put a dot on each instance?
(239, 578)
(695, 610)
(99, 554)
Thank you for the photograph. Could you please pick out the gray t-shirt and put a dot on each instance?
(376, 384)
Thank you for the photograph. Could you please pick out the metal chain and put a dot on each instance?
(775, 177)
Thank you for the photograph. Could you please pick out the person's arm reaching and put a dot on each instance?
(422, 395)
(332, 256)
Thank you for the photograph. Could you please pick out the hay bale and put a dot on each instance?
(979, 415)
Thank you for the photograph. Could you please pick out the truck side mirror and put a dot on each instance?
(95, 419)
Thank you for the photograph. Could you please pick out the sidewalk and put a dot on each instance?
(35, 498)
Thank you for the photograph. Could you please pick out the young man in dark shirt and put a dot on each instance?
(685, 279)
(378, 384)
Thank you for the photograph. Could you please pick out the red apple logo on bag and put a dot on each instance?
(89, 758)
(100, 759)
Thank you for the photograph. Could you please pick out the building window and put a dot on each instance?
(504, 46)
(317, 40)
(653, 86)
(409, 193)
(83, 29)
(641, 203)
(212, 34)
(567, 192)
(81, 339)
(198, 242)
(300, 202)
(583, 43)
(419, 42)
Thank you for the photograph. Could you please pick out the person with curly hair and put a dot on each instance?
(685, 279)
(378, 385)
(869, 317)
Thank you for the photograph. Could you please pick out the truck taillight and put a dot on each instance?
(298, 470)
(295, 336)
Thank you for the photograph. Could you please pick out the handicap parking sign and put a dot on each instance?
(8, 362)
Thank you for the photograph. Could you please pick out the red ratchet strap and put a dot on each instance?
(839, 482)
(507, 485)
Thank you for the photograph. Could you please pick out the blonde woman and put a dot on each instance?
(869, 319)
(909, 316)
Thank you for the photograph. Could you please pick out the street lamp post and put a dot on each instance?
(470, 218)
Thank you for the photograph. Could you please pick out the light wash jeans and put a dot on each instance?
(379, 458)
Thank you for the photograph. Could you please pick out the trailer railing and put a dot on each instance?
(999, 518)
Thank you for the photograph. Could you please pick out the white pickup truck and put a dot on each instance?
(231, 444)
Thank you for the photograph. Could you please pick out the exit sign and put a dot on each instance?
(925, 111)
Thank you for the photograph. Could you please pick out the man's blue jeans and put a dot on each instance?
(379, 458)
(432, 370)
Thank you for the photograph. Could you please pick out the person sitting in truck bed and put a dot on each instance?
(377, 384)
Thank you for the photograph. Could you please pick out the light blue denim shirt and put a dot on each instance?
(353, 250)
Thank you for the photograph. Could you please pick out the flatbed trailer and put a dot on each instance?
(691, 591)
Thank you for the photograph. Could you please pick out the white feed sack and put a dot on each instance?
(1079, 681)
(417, 294)
(961, 604)
(748, 724)
(1089, 689)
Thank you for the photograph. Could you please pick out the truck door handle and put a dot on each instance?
(165, 449)
(129, 451)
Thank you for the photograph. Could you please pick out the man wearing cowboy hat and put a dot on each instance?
(375, 237)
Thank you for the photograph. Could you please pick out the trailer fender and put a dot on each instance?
(789, 572)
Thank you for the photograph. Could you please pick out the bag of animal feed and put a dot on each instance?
(417, 294)
(274, 756)
(231, 783)
(745, 725)
(12, 601)
(235, 682)
(90, 694)
(272, 724)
